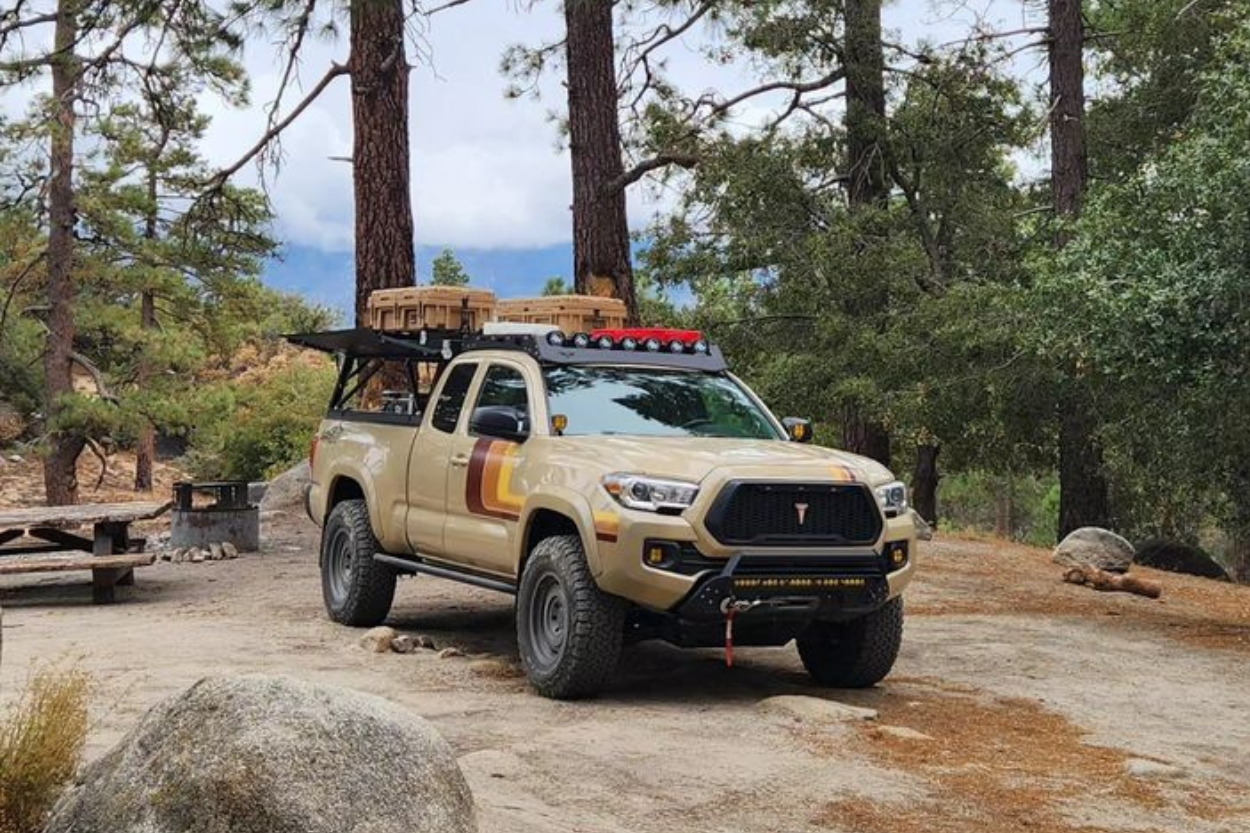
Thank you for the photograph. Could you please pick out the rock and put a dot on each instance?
(229, 550)
(286, 491)
(1178, 557)
(215, 552)
(1094, 547)
(448, 653)
(266, 754)
(423, 641)
(15, 458)
(923, 531)
(804, 708)
(256, 492)
(903, 733)
(196, 555)
(1154, 770)
(378, 639)
(403, 644)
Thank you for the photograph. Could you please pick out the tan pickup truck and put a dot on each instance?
(620, 494)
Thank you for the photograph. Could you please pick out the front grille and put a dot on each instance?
(768, 514)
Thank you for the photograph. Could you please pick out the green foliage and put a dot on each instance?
(556, 286)
(255, 431)
(1151, 298)
(448, 271)
(1023, 508)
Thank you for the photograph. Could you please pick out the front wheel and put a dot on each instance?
(854, 654)
(357, 590)
(568, 630)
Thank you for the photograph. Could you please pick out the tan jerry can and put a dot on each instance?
(571, 313)
(412, 308)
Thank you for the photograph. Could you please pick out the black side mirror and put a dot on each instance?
(799, 430)
(500, 421)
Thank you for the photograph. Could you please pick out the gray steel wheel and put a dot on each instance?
(356, 589)
(568, 630)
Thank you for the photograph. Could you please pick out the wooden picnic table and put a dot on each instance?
(113, 554)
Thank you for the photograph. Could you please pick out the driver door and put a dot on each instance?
(483, 486)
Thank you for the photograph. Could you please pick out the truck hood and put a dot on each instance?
(694, 458)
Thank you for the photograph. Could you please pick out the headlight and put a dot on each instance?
(892, 497)
(650, 494)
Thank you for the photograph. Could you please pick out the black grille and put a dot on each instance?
(767, 514)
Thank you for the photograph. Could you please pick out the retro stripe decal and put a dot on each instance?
(488, 487)
(844, 474)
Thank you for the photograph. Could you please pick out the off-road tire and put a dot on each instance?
(357, 590)
(854, 654)
(557, 574)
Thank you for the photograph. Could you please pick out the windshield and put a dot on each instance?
(653, 402)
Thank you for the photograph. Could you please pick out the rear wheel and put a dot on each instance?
(568, 630)
(855, 654)
(356, 589)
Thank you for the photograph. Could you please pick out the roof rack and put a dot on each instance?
(442, 345)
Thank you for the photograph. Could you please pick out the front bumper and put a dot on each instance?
(622, 570)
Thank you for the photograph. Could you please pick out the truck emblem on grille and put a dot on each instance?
(801, 508)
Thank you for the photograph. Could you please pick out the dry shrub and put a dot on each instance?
(41, 743)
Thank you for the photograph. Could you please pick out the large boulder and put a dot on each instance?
(1177, 557)
(286, 491)
(1091, 546)
(262, 754)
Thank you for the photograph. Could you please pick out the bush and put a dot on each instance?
(1026, 507)
(41, 742)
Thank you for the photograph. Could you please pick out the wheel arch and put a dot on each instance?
(556, 514)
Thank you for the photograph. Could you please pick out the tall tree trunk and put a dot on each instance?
(601, 255)
(924, 484)
(379, 75)
(867, 185)
(1083, 497)
(60, 476)
(145, 448)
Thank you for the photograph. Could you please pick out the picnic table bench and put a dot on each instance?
(109, 553)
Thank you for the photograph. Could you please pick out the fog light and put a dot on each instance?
(662, 555)
(896, 555)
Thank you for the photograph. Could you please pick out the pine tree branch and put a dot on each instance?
(221, 177)
(660, 160)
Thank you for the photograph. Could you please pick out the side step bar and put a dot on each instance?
(413, 565)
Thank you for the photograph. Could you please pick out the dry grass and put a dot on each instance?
(41, 743)
(1004, 765)
(972, 577)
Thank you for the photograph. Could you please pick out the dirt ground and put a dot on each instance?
(1033, 705)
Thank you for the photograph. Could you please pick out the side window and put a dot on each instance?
(504, 386)
(451, 398)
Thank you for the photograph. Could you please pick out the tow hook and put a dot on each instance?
(732, 607)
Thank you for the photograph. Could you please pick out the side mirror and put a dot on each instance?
(799, 430)
(501, 422)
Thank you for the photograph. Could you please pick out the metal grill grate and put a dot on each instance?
(795, 514)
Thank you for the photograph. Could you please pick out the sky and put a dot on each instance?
(488, 177)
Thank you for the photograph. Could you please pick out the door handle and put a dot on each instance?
(460, 460)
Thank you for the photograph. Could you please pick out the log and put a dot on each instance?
(1113, 582)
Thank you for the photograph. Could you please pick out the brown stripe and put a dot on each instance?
(605, 536)
(478, 480)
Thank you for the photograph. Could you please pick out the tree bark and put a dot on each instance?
(145, 447)
(602, 262)
(924, 484)
(867, 186)
(379, 74)
(60, 477)
(865, 104)
(1083, 499)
